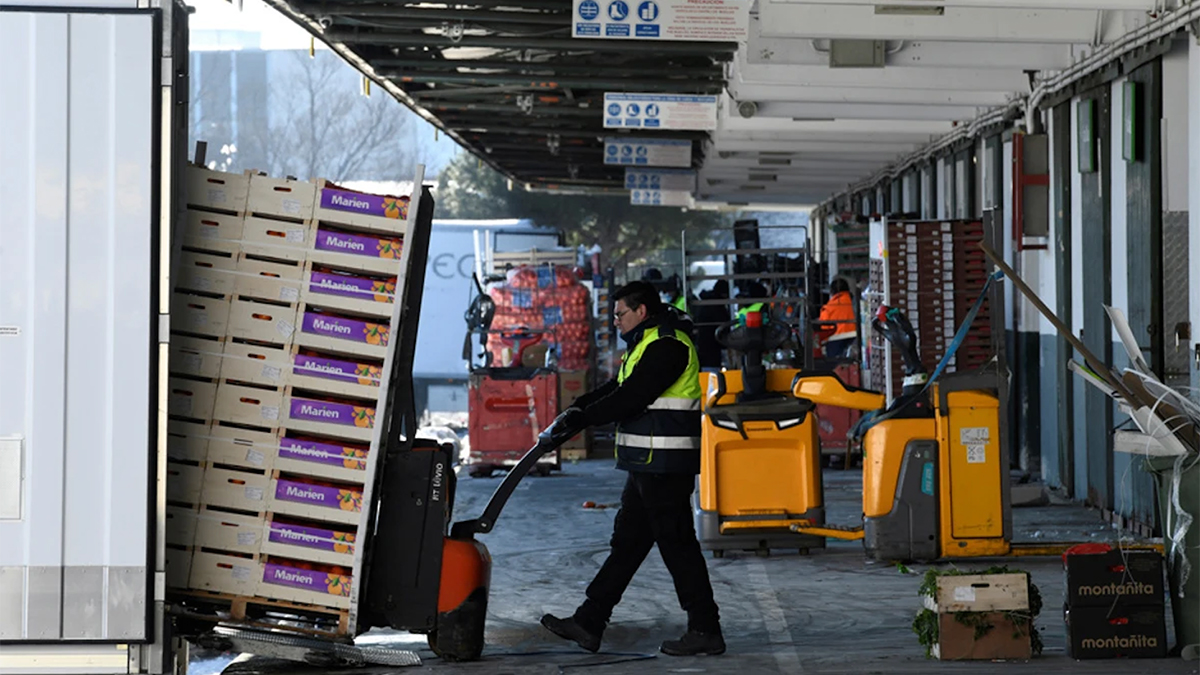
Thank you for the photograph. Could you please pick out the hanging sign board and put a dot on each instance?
(660, 179)
(693, 20)
(647, 152)
(660, 197)
(660, 111)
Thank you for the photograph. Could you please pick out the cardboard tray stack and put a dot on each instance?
(281, 315)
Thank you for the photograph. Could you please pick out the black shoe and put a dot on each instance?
(693, 643)
(568, 629)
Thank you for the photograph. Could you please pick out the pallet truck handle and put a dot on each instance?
(548, 441)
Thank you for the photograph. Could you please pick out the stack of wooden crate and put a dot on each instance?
(281, 314)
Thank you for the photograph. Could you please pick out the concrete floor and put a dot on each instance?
(828, 612)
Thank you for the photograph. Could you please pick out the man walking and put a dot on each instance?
(655, 401)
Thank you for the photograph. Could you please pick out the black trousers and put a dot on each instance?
(655, 509)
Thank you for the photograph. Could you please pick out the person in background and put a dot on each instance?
(755, 296)
(838, 337)
(655, 401)
(709, 318)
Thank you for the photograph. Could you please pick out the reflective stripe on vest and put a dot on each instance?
(666, 437)
(756, 307)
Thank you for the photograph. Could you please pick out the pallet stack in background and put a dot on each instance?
(933, 271)
(281, 315)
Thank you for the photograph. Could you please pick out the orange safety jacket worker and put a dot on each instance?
(839, 308)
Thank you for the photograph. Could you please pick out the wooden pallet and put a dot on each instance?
(249, 609)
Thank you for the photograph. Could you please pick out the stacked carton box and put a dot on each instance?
(1115, 604)
(282, 312)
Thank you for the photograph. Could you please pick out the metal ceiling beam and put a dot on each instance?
(714, 72)
(743, 91)
(1145, 5)
(932, 79)
(536, 111)
(884, 150)
(916, 130)
(866, 111)
(956, 24)
(355, 36)
(552, 82)
(438, 15)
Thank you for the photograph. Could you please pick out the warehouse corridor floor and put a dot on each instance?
(828, 612)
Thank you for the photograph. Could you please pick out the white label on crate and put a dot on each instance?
(207, 232)
(973, 435)
(964, 594)
(293, 234)
(290, 206)
(199, 319)
(285, 328)
(272, 373)
(203, 284)
(247, 538)
(181, 405)
(192, 363)
(255, 457)
(270, 412)
(242, 573)
(976, 453)
(216, 195)
(254, 494)
(289, 294)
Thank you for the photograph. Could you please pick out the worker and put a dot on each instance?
(752, 300)
(670, 290)
(838, 337)
(655, 401)
(708, 319)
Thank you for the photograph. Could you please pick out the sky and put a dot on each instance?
(278, 32)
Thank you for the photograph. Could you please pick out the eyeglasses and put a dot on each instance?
(618, 315)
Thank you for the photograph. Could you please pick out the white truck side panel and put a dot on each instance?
(77, 186)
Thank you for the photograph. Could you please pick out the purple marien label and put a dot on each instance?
(358, 202)
(311, 580)
(358, 244)
(331, 369)
(312, 537)
(323, 453)
(318, 495)
(333, 413)
(346, 329)
(341, 284)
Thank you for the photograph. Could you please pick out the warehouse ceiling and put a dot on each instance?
(821, 95)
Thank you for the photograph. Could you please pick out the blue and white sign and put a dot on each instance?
(647, 152)
(660, 111)
(660, 179)
(660, 198)
(709, 20)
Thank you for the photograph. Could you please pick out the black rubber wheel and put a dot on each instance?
(431, 638)
(481, 472)
(718, 553)
(542, 470)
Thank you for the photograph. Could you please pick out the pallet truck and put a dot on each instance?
(752, 421)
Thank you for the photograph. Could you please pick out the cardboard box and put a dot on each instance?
(370, 253)
(988, 598)
(191, 398)
(1119, 578)
(345, 292)
(199, 315)
(343, 335)
(356, 378)
(318, 502)
(281, 197)
(217, 190)
(317, 587)
(231, 489)
(276, 239)
(253, 406)
(224, 573)
(1095, 632)
(571, 385)
(308, 542)
(322, 459)
(329, 418)
(261, 322)
(382, 213)
(957, 641)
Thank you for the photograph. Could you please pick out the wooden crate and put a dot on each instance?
(233, 489)
(181, 525)
(370, 253)
(218, 232)
(304, 500)
(339, 376)
(179, 566)
(321, 544)
(187, 440)
(342, 335)
(281, 197)
(322, 459)
(249, 320)
(276, 239)
(184, 481)
(377, 213)
(240, 447)
(196, 356)
(283, 582)
(269, 280)
(233, 532)
(309, 415)
(265, 365)
(342, 291)
(209, 273)
(224, 573)
(199, 315)
(216, 190)
(241, 404)
(192, 399)
(988, 598)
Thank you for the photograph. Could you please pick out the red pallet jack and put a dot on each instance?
(467, 566)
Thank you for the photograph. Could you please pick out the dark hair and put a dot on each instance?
(838, 285)
(638, 293)
(721, 288)
(652, 274)
(755, 290)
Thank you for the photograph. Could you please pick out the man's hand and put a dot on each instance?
(571, 420)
